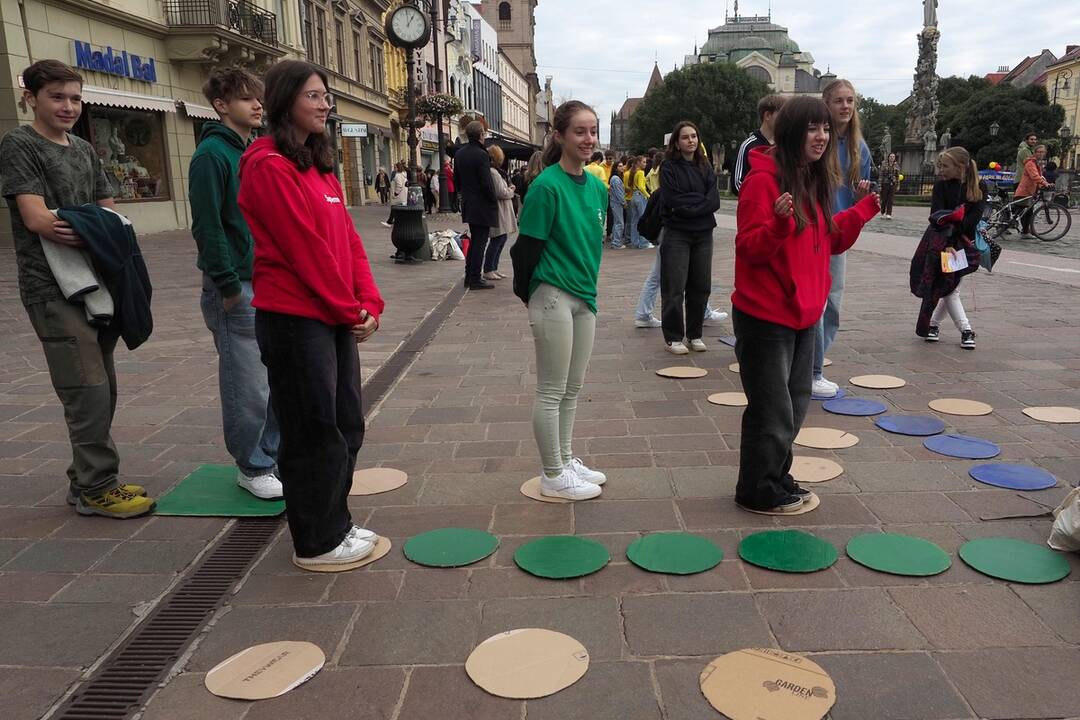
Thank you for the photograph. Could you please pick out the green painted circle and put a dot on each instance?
(674, 553)
(561, 556)
(898, 554)
(792, 551)
(1015, 560)
(450, 547)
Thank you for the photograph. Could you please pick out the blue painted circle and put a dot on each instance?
(962, 446)
(1013, 476)
(918, 425)
(839, 394)
(854, 406)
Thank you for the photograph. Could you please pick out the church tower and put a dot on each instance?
(515, 21)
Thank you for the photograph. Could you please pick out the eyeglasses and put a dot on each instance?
(315, 96)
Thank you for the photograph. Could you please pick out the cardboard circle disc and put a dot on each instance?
(382, 548)
(531, 489)
(1015, 560)
(731, 399)
(1054, 414)
(1013, 476)
(682, 372)
(728, 340)
(810, 503)
(559, 557)
(733, 367)
(792, 551)
(897, 554)
(528, 663)
(957, 406)
(265, 671)
(859, 407)
(962, 446)
(840, 392)
(373, 481)
(758, 683)
(914, 425)
(807, 469)
(450, 547)
(878, 382)
(674, 553)
(825, 438)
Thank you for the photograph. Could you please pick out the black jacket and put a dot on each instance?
(949, 195)
(690, 195)
(475, 188)
(742, 162)
(118, 260)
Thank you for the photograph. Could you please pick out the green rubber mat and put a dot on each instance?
(211, 491)
(450, 547)
(561, 556)
(1015, 560)
(787, 551)
(674, 553)
(898, 554)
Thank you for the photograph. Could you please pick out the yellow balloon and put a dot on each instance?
(901, 177)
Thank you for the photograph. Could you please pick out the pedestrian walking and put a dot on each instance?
(382, 186)
(767, 108)
(507, 217)
(1031, 181)
(617, 207)
(479, 204)
(888, 179)
(433, 188)
(399, 194)
(447, 176)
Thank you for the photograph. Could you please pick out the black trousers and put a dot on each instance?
(474, 261)
(888, 193)
(776, 368)
(685, 279)
(314, 374)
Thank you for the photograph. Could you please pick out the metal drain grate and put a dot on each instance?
(119, 687)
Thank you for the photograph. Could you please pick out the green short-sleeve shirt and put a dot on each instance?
(568, 213)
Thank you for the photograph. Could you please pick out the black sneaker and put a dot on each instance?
(967, 339)
(801, 492)
(933, 334)
(791, 503)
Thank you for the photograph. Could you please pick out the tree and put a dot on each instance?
(876, 119)
(720, 98)
(1015, 110)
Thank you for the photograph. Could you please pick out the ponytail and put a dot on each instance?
(560, 124)
(971, 183)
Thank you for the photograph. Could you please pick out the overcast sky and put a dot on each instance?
(601, 51)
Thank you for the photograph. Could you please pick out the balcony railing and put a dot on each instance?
(240, 16)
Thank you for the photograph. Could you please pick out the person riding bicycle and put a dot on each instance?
(1030, 182)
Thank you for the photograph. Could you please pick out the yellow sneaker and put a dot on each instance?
(117, 503)
(133, 489)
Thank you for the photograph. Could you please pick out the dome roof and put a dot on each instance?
(741, 35)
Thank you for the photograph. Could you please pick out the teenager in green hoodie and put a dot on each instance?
(226, 253)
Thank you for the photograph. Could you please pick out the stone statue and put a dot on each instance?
(946, 139)
(930, 152)
(886, 145)
(930, 140)
(922, 115)
(930, 13)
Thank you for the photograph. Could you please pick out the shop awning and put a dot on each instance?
(194, 110)
(513, 149)
(118, 98)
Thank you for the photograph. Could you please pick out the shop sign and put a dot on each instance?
(121, 64)
(354, 130)
(476, 39)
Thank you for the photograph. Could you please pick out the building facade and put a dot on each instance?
(516, 118)
(1062, 82)
(620, 119)
(484, 51)
(515, 23)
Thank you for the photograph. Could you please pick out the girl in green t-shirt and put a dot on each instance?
(564, 214)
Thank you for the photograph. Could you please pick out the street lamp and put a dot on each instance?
(994, 128)
(1065, 133)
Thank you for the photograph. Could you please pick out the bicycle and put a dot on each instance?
(1050, 218)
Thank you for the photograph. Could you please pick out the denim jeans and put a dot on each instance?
(474, 260)
(829, 324)
(493, 252)
(774, 364)
(685, 279)
(247, 420)
(649, 291)
(637, 208)
(314, 375)
(617, 212)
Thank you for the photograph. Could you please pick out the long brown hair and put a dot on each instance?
(853, 134)
(970, 178)
(283, 84)
(811, 184)
(534, 167)
(672, 151)
(560, 124)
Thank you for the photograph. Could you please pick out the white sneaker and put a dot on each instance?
(651, 322)
(650, 246)
(824, 388)
(266, 486)
(568, 486)
(385, 224)
(363, 534)
(698, 345)
(677, 348)
(584, 473)
(715, 317)
(351, 549)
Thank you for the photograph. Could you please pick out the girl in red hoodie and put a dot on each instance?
(315, 299)
(786, 234)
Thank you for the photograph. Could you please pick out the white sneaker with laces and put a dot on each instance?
(698, 345)
(568, 486)
(385, 224)
(715, 317)
(677, 348)
(650, 322)
(584, 473)
(266, 486)
(824, 388)
(351, 549)
(363, 534)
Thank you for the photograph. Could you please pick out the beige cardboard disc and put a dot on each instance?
(531, 489)
(732, 399)
(382, 547)
(373, 481)
(733, 367)
(767, 684)
(955, 406)
(806, 469)
(810, 502)
(1054, 414)
(827, 363)
(878, 382)
(825, 438)
(265, 671)
(528, 663)
(682, 372)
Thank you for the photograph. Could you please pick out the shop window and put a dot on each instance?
(357, 46)
(320, 35)
(339, 44)
(131, 145)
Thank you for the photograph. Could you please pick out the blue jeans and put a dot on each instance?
(251, 431)
(829, 324)
(637, 207)
(493, 253)
(651, 288)
(617, 211)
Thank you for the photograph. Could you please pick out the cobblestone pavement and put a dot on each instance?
(957, 645)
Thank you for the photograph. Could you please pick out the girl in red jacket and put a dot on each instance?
(315, 299)
(786, 234)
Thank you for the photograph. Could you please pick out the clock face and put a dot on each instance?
(409, 24)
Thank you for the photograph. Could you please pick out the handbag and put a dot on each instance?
(650, 224)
